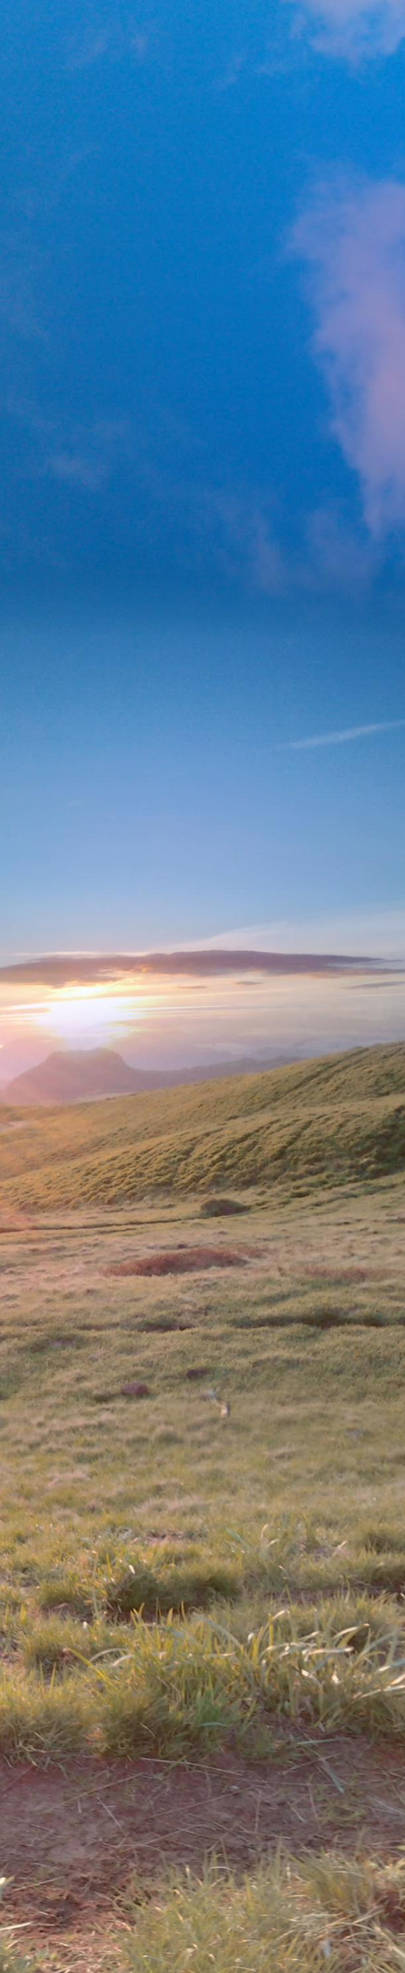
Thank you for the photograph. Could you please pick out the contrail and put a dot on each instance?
(338, 739)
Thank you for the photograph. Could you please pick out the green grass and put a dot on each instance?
(171, 1688)
(326, 1121)
(173, 1584)
(143, 1543)
(288, 1918)
(11, 1960)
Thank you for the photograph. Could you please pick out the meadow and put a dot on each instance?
(202, 1574)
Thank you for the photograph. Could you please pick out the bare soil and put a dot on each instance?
(182, 1260)
(73, 1839)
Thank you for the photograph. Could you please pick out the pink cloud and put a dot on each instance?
(353, 241)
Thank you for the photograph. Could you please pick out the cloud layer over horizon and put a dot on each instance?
(192, 1006)
(69, 969)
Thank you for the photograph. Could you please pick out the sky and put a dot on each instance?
(202, 533)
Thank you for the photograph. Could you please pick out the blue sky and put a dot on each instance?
(202, 435)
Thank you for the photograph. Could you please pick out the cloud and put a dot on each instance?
(76, 470)
(356, 29)
(340, 738)
(338, 556)
(89, 456)
(245, 539)
(353, 242)
(20, 264)
(229, 527)
(58, 970)
(107, 33)
(233, 71)
(379, 929)
(233, 996)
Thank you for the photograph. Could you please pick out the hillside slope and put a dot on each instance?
(333, 1119)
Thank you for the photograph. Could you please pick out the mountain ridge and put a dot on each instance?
(93, 1074)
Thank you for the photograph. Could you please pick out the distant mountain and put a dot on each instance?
(86, 1075)
(71, 1075)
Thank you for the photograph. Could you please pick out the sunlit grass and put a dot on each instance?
(177, 1585)
(286, 1918)
(170, 1687)
(328, 1121)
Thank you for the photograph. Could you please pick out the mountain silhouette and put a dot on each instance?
(80, 1075)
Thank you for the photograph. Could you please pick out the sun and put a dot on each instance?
(87, 1016)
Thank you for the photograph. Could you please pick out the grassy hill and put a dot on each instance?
(202, 1594)
(330, 1120)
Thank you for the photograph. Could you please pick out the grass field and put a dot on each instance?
(202, 1616)
(322, 1122)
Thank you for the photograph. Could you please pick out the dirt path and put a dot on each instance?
(71, 1840)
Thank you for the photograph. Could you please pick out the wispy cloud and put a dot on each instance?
(352, 240)
(340, 738)
(380, 929)
(243, 526)
(338, 554)
(355, 29)
(77, 470)
(107, 33)
(83, 456)
(231, 527)
(20, 306)
(232, 73)
(89, 456)
(228, 527)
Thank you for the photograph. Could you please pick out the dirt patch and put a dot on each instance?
(184, 1260)
(134, 1389)
(72, 1839)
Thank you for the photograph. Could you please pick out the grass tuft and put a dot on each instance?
(286, 1918)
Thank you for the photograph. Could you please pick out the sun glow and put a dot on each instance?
(89, 1015)
(165, 1019)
